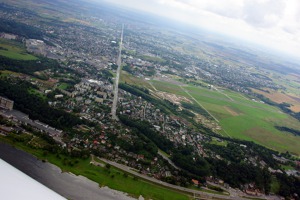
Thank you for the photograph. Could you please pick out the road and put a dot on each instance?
(234, 193)
(66, 184)
(56, 134)
(145, 110)
(199, 103)
(167, 159)
(224, 94)
(116, 87)
(175, 187)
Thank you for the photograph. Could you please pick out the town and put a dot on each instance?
(166, 136)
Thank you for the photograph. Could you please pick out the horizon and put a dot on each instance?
(282, 35)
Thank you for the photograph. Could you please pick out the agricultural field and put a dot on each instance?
(14, 50)
(239, 116)
(249, 120)
(281, 97)
(289, 94)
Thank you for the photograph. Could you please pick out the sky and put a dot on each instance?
(272, 23)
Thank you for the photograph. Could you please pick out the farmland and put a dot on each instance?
(280, 97)
(248, 119)
(239, 116)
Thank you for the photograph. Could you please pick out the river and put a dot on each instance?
(68, 185)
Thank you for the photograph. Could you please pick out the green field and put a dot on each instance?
(241, 117)
(125, 77)
(64, 86)
(152, 59)
(249, 120)
(220, 143)
(14, 50)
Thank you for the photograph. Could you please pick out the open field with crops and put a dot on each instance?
(239, 116)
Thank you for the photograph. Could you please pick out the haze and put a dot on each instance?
(271, 23)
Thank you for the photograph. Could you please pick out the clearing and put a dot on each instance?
(14, 50)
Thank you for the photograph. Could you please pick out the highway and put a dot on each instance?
(167, 159)
(116, 86)
(203, 195)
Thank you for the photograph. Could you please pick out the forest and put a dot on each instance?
(20, 29)
(28, 66)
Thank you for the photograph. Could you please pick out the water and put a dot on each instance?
(66, 184)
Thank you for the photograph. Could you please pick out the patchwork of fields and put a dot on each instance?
(239, 116)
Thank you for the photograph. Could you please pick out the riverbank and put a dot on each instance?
(112, 177)
(66, 184)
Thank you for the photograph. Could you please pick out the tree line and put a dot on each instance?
(36, 107)
(17, 28)
(28, 66)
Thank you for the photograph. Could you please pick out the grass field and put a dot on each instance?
(216, 142)
(249, 120)
(64, 86)
(14, 50)
(37, 93)
(112, 177)
(241, 117)
(6, 73)
(125, 77)
(152, 58)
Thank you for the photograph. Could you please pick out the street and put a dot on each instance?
(116, 88)
(175, 187)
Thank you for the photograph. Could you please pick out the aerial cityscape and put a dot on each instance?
(110, 100)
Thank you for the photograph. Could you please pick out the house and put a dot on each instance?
(5, 129)
(99, 100)
(168, 174)
(195, 182)
(58, 96)
(6, 103)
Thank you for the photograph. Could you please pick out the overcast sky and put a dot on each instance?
(273, 23)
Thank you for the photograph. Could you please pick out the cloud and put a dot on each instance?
(273, 23)
(263, 13)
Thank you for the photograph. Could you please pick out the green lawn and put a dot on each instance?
(152, 59)
(216, 142)
(37, 93)
(64, 86)
(14, 50)
(116, 179)
(168, 87)
(125, 77)
(287, 167)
